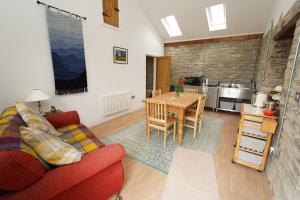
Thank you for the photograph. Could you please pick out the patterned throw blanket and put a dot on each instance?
(80, 137)
(10, 138)
(77, 135)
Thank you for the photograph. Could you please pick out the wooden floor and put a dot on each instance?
(235, 182)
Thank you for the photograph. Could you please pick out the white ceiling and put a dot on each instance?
(243, 17)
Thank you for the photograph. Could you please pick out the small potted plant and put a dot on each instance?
(179, 86)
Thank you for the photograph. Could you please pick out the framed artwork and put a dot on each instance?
(120, 55)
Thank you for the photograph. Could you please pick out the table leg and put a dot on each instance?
(180, 125)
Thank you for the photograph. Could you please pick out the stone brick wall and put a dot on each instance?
(225, 62)
(284, 171)
(271, 74)
(260, 62)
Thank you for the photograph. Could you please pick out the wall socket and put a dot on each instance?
(132, 97)
(297, 97)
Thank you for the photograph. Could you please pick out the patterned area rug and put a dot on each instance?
(152, 153)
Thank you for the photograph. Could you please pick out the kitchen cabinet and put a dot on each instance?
(211, 95)
(230, 99)
(254, 137)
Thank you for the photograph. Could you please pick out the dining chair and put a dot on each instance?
(195, 117)
(157, 118)
(190, 91)
(156, 93)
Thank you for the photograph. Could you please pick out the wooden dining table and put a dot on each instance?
(178, 104)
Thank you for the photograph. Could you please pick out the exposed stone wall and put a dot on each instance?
(260, 62)
(225, 62)
(284, 171)
(271, 74)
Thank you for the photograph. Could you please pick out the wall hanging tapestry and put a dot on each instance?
(67, 50)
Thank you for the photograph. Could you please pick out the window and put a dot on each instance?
(171, 26)
(216, 17)
(111, 12)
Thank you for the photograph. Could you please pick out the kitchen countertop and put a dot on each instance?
(252, 110)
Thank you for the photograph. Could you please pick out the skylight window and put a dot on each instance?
(216, 17)
(171, 26)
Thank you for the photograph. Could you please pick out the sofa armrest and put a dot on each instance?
(63, 119)
(62, 178)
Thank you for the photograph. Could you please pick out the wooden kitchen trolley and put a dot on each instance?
(254, 137)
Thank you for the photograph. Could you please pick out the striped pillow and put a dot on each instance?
(35, 121)
(49, 148)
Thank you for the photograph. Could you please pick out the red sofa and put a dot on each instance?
(99, 175)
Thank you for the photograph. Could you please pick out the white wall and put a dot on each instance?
(25, 59)
(280, 6)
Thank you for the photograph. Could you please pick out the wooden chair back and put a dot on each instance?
(156, 93)
(200, 106)
(156, 111)
(190, 91)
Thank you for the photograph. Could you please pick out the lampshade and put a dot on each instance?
(37, 95)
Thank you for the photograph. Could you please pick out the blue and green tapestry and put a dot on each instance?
(67, 50)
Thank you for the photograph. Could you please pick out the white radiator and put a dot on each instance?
(117, 102)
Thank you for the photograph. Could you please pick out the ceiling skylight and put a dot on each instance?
(216, 17)
(171, 26)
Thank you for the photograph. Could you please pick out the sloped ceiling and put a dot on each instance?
(243, 17)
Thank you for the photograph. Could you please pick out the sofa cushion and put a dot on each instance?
(63, 119)
(50, 148)
(18, 170)
(80, 137)
(35, 121)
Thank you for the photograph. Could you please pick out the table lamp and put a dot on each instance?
(37, 95)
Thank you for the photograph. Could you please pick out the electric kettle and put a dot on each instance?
(258, 99)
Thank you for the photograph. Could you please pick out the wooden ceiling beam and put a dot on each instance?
(215, 40)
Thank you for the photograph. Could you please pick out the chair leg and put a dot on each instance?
(158, 132)
(200, 124)
(148, 132)
(174, 127)
(195, 129)
(165, 138)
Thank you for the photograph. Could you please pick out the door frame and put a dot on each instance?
(154, 68)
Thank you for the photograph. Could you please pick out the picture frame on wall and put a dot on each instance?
(120, 55)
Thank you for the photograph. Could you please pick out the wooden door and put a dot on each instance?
(163, 73)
